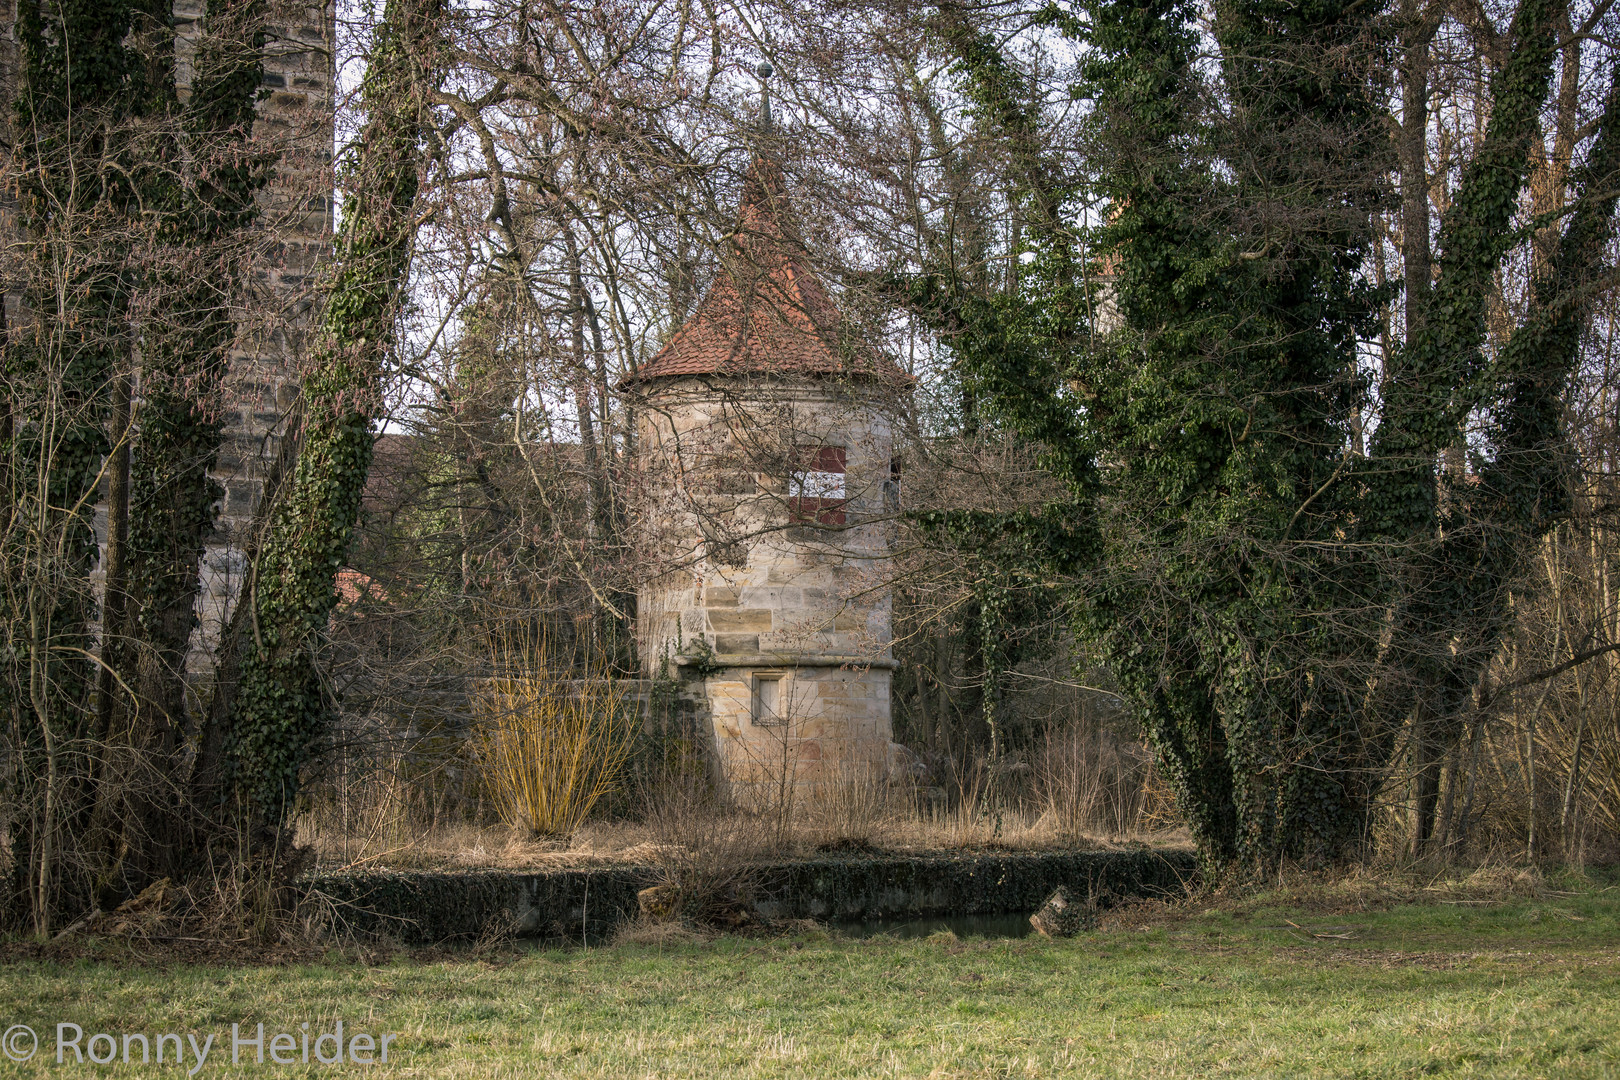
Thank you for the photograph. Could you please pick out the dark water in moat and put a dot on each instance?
(963, 926)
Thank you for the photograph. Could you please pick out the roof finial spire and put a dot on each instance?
(764, 71)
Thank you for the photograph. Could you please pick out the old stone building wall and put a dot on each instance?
(768, 514)
(296, 118)
(766, 461)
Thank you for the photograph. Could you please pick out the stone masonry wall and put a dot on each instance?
(296, 116)
(758, 585)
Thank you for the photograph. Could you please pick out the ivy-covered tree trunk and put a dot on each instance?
(86, 86)
(1230, 389)
(136, 210)
(1468, 540)
(208, 213)
(281, 708)
(1433, 382)
(1486, 532)
(1276, 606)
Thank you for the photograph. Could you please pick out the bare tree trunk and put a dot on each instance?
(1461, 826)
(1427, 755)
(1566, 814)
(596, 485)
(115, 597)
(1418, 31)
(1531, 839)
(40, 698)
(1419, 26)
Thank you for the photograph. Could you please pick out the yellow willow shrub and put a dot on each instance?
(551, 745)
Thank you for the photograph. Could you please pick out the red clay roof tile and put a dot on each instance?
(766, 312)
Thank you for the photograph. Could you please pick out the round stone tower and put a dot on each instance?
(768, 487)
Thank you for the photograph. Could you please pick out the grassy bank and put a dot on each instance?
(1342, 983)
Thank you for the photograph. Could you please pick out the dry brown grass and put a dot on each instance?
(1081, 788)
(1370, 886)
(1091, 781)
(660, 933)
(602, 843)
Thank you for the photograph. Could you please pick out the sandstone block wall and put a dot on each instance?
(769, 567)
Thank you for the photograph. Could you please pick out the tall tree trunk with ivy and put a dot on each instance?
(88, 90)
(208, 213)
(280, 707)
(136, 210)
(1229, 390)
(1274, 604)
(1469, 538)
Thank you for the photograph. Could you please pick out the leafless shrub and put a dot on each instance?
(1090, 780)
(707, 853)
(551, 747)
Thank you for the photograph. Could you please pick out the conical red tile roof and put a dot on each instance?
(767, 312)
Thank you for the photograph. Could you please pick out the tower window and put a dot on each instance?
(767, 708)
(816, 491)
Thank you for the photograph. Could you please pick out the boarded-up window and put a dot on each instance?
(767, 706)
(816, 491)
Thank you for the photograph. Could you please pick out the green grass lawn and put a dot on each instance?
(1510, 987)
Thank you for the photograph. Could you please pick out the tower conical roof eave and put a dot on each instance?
(767, 313)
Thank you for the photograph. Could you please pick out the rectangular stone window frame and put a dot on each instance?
(767, 707)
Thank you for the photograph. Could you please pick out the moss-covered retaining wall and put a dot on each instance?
(943, 885)
(434, 906)
(420, 906)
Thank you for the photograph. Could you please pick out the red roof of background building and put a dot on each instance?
(351, 585)
(767, 312)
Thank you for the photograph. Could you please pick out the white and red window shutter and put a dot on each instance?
(817, 490)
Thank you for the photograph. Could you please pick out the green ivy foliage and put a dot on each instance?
(122, 176)
(185, 352)
(281, 708)
(1436, 380)
(1226, 399)
(77, 193)
(89, 89)
(1454, 604)
(1234, 554)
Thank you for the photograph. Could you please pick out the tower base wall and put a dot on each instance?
(832, 732)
